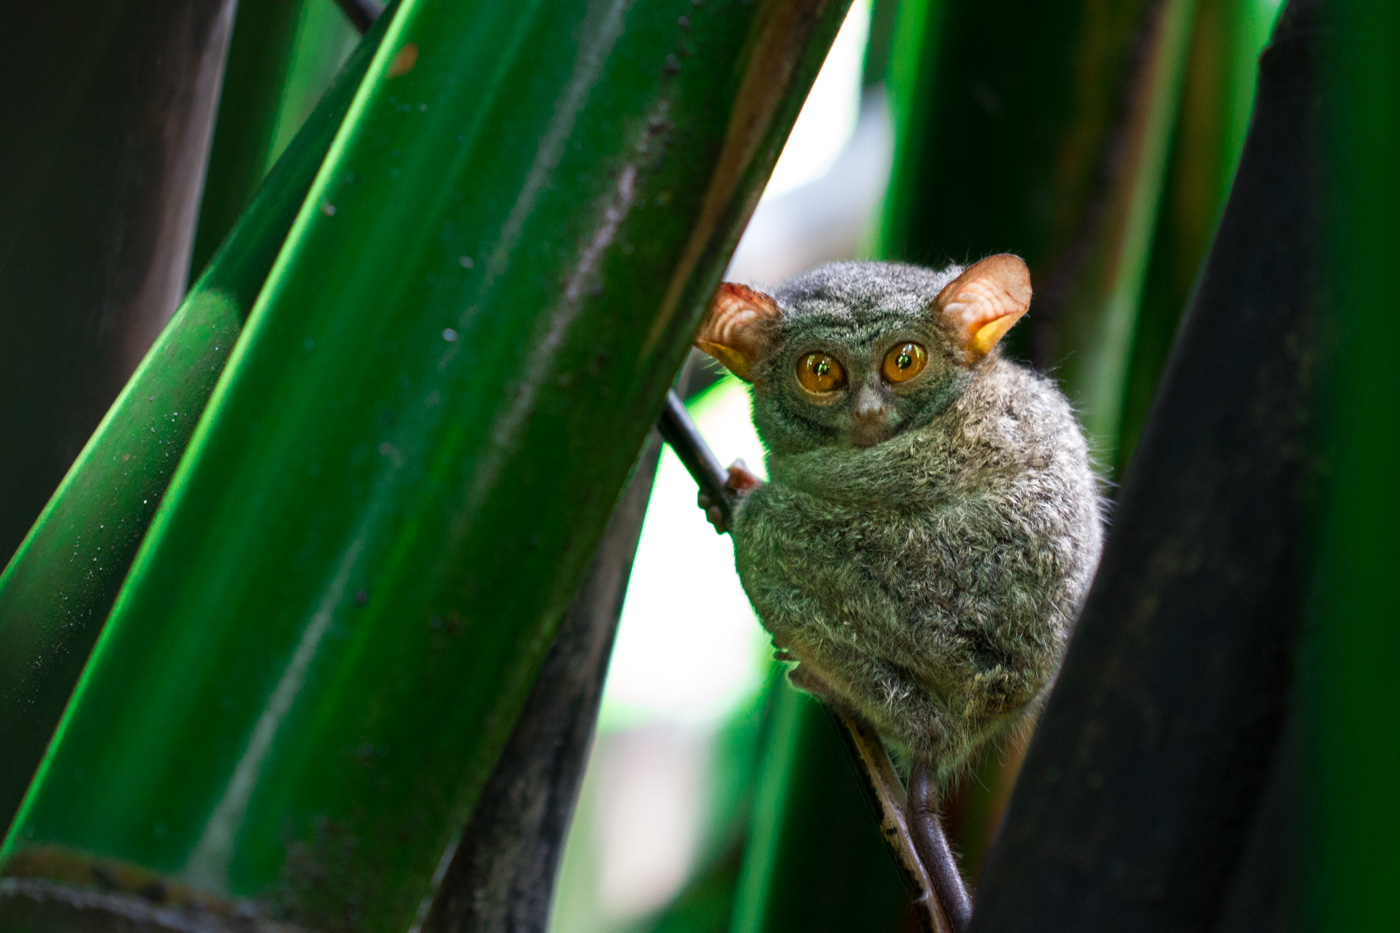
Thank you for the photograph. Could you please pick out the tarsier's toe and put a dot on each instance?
(741, 478)
(995, 692)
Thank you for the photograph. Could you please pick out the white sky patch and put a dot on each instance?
(688, 647)
(828, 117)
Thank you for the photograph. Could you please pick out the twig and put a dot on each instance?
(704, 467)
(361, 13)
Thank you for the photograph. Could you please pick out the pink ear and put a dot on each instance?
(981, 304)
(735, 330)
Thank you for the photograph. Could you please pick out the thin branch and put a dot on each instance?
(704, 467)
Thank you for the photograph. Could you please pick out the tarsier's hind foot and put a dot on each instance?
(995, 693)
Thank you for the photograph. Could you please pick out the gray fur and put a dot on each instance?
(928, 581)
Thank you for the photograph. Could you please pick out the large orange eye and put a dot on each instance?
(904, 362)
(819, 373)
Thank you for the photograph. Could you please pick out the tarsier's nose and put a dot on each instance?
(869, 420)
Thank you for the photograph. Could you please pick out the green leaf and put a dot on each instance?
(57, 590)
(1047, 142)
(1352, 640)
(1216, 97)
(260, 55)
(392, 496)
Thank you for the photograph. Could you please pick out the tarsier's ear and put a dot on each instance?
(981, 304)
(737, 328)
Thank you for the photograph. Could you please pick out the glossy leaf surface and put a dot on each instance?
(1047, 143)
(411, 457)
(1216, 96)
(260, 56)
(56, 592)
(1353, 641)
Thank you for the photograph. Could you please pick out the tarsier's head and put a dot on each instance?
(853, 353)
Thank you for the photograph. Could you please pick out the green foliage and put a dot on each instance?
(398, 481)
(261, 53)
(1353, 640)
(57, 590)
(1213, 114)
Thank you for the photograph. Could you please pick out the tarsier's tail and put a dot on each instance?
(910, 826)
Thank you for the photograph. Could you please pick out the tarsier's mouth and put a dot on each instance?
(866, 434)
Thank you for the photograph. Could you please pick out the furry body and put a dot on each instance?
(927, 579)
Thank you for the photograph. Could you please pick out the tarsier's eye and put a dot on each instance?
(820, 373)
(904, 361)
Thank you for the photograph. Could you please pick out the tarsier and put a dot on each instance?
(932, 519)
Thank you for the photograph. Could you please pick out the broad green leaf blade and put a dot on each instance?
(1216, 97)
(1091, 344)
(57, 590)
(357, 569)
(1352, 640)
(1040, 129)
(259, 58)
(284, 57)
